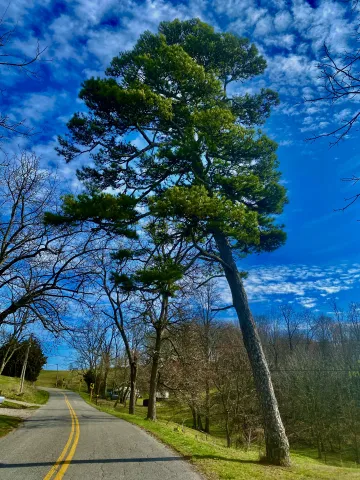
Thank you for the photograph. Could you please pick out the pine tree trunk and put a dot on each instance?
(277, 445)
(151, 415)
(133, 374)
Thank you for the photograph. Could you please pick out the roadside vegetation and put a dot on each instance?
(9, 387)
(209, 452)
(211, 456)
(16, 406)
(206, 376)
(7, 424)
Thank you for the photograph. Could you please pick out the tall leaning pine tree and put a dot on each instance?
(199, 159)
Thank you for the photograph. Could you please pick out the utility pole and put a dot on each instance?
(23, 371)
(57, 374)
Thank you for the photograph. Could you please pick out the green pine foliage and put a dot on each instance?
(204, 164)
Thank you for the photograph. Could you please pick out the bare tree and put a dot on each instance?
(341, 81)
(235, 387)
(117, 311)
(41, 270)
(340, 75)
(93, 340)
(207, 301)
(291, 322)
(353, 318)
(13, 335)
(10, 58)
(185, 369)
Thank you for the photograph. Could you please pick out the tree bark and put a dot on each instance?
(133, 375)
(106, 361)
(199, 423)
(277, 445)
(194, 415)
(151, 415)
(132, 359)
(228, 434)
(8, 355)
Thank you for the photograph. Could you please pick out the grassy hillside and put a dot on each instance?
(65, 379)
(47, 378)
(215, 461)
(9, 387)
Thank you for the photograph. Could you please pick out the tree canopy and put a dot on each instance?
(201, 153)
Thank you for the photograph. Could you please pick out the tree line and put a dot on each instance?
(202, 363)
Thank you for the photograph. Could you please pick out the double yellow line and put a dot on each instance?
(62, 463)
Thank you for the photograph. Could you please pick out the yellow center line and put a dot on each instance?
(75, 429)
(71, 453)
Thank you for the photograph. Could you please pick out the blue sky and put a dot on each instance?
(320, 261)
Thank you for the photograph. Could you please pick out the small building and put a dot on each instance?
(162, 395)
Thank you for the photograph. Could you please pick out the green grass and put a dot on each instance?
(15, 406)
(66, 379)
(9, 386)
(216, 461)
(8, 423)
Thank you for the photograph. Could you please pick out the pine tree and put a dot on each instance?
(203, 164)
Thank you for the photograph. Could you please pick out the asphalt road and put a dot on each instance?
(67, 438)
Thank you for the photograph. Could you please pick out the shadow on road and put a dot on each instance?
(93, 461)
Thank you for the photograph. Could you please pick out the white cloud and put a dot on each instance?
(308, 302)
(282, 21)
(328, 23)
(264, 26)
(92, 11)
(285, 143)
(34, 106)
(305, 284)
(286, 41)
(16, 11)
(292, 70)
(343, 115)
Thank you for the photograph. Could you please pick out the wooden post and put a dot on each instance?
(92, 386)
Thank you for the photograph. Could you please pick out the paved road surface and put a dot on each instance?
(69, 439)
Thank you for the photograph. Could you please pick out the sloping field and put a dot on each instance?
(48, 378)
(9, 386)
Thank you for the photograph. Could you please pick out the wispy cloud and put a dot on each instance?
(306, 285)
